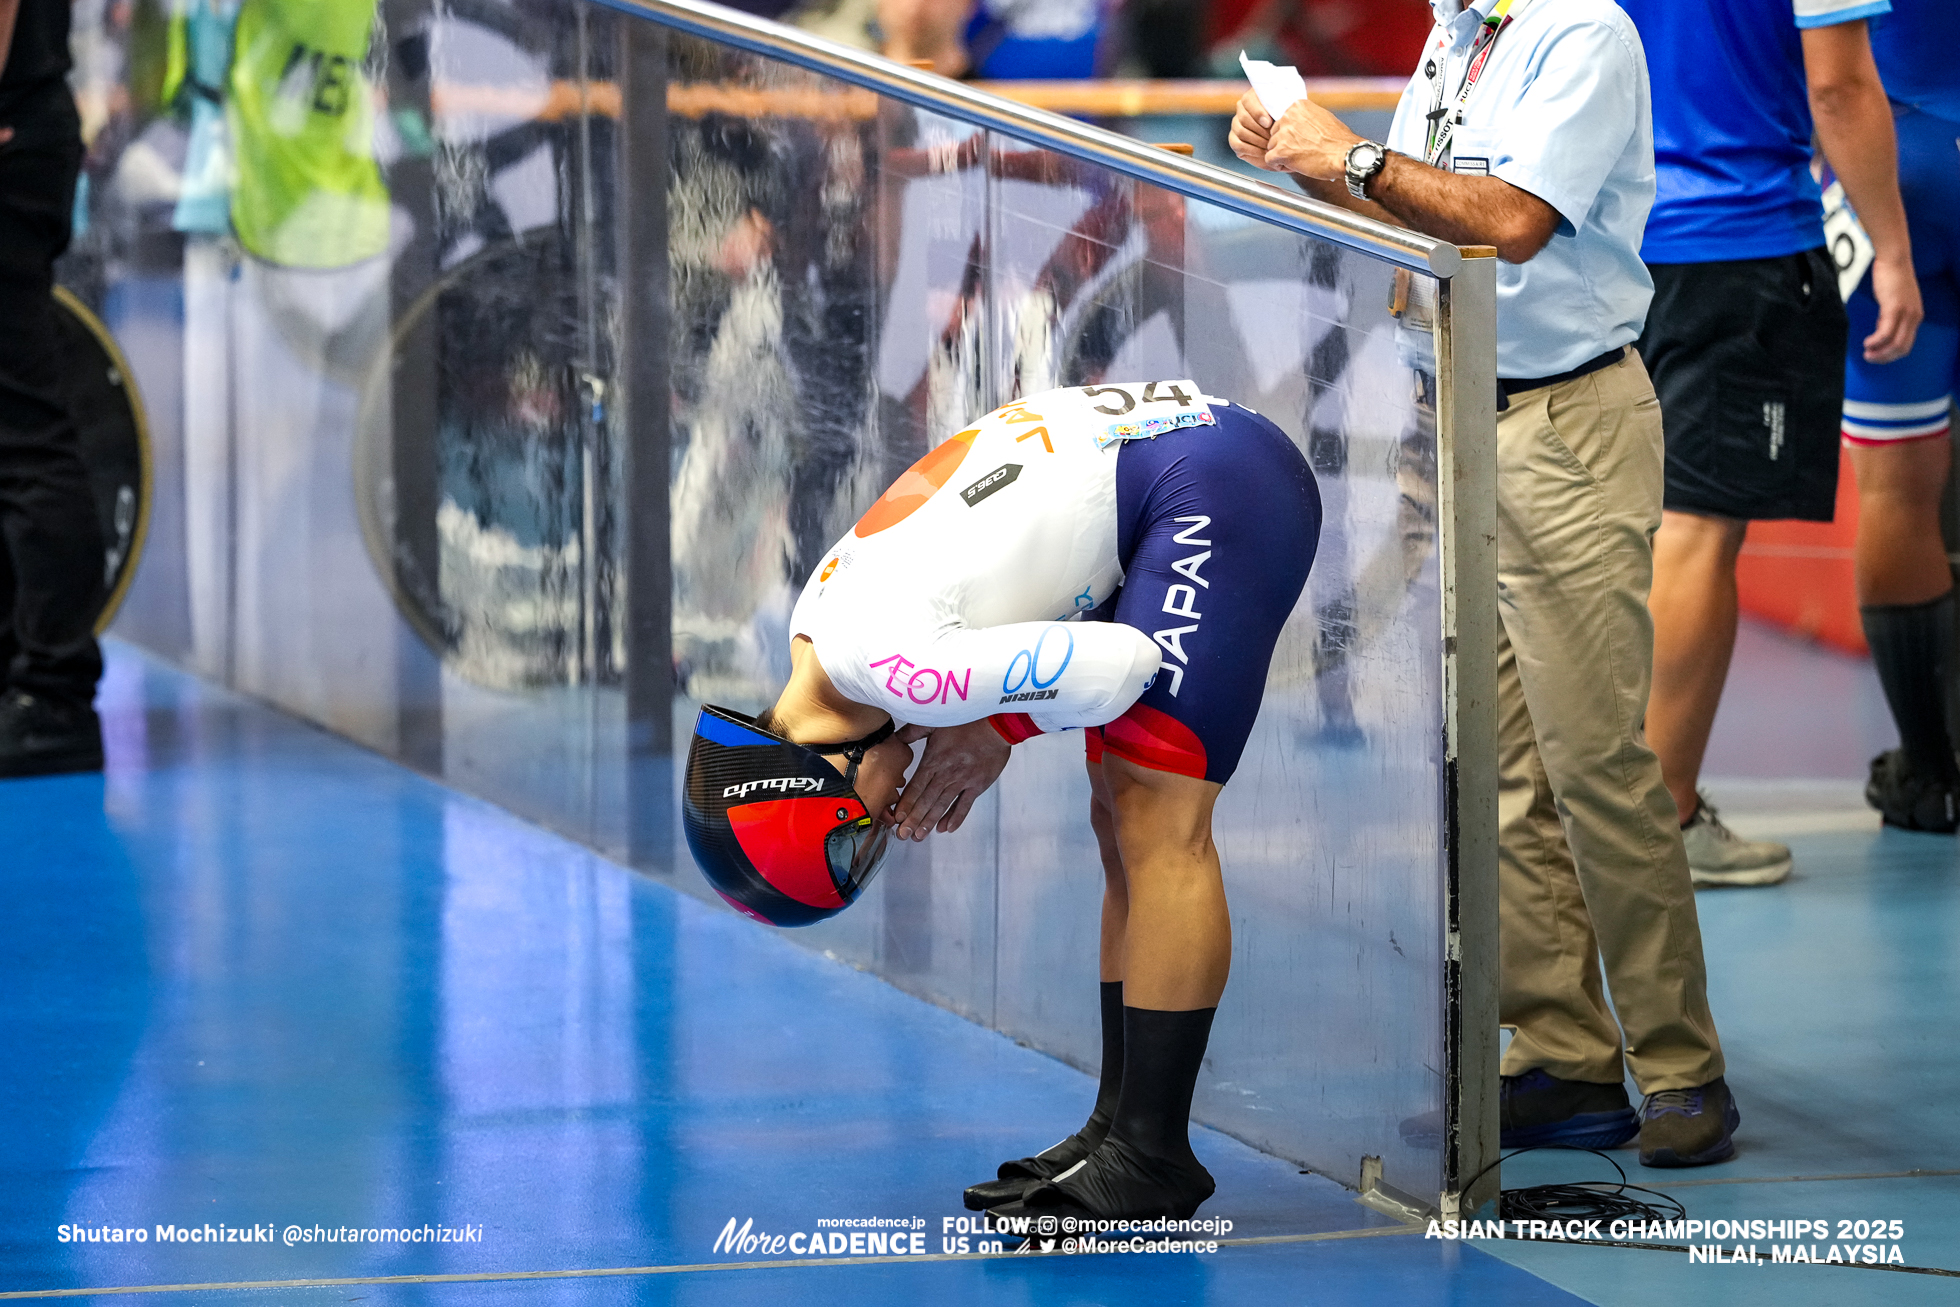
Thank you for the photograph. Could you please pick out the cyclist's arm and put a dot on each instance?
(1059, 674)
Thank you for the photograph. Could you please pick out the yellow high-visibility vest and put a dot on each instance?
(307, 192)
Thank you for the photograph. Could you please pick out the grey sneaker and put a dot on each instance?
(1719, 856)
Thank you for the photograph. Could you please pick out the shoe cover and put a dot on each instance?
(1016, 1178)
(1116, 1182)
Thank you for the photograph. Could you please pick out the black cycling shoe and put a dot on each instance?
(1910, 800)
(40, 737)
(1016, 1178)
(1117, 1183)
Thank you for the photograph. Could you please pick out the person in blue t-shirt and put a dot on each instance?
(1897, 426)
(1747, 332)
(1000, 39)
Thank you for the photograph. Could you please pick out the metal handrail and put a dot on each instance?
(955, 99)
(1118, 97)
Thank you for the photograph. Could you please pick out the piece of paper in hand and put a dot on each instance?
(1277, 85)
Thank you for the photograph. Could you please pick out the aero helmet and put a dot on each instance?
(778, 833)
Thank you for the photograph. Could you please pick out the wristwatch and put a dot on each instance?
(1363, 162)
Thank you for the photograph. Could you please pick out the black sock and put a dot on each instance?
(1110, 1087)
(1162, 1054)
(1912, 648)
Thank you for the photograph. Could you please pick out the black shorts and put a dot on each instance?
(1748, 360)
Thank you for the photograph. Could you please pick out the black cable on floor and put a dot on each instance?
(1587, 1200)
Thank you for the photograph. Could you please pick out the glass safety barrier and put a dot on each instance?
(498, 421)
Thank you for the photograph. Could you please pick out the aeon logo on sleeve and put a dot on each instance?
(937, 688)
(784, 784)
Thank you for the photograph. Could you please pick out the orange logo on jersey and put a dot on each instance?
(828, 568)
(919, 483)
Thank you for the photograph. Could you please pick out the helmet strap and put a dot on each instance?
(854, 750)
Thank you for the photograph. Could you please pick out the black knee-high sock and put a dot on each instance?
(1110, 1087)
(1162, 1054)
(1912, 648)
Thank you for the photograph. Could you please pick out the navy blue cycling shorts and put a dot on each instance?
(1216, 529)
(1911, 399)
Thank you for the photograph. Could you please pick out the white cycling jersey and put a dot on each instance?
(949, 599)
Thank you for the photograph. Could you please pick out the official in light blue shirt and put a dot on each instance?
(1552, 163)
(1561, 110)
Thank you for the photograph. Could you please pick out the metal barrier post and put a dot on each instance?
(646, 459)
(1466, 438)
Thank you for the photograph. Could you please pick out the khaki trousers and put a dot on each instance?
(1591, 864)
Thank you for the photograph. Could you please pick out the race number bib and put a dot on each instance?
(1143, 412)
(1851, 247)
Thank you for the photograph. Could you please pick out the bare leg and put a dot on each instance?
(1168, 922)
(1167, 936)
(1116, 891)
(1694, 606)
(1905, 588)
(1901, 557)
(1016, 1177)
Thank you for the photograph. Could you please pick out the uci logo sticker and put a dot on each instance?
(998, 479)
(785, 784)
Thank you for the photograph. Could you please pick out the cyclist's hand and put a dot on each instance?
(960, 763)
(881, 774)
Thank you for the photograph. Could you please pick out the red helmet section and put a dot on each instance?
(786, 837)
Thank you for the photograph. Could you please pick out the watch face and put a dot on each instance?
(1365, 158)
(1363, 162)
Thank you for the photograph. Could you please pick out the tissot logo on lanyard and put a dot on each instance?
(1442, 120)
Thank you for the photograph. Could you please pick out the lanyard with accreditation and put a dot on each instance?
(1442, 121)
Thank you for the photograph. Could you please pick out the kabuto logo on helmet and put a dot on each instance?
(778, 831)
(788, 784)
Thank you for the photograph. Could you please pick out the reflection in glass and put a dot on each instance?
(393, 493)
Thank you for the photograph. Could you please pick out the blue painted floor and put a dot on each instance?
(1837, 995)
(258, 978)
